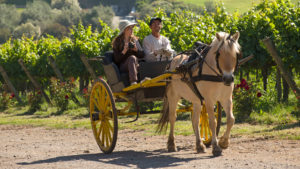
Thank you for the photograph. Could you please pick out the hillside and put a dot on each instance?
(232, 5)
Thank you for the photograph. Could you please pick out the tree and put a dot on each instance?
(37, 12)
(57, 30)
(60, 4)
(28, 30)
(92, 16)
(10, 17)
(69, 16)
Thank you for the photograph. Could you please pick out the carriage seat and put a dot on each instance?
(152, 69)
(115, 78)
(119, 80)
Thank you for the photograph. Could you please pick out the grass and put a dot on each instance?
(48, 118)
(285, 131)
(78, 118)
(232, 5)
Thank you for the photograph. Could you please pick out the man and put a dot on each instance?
(156, 46)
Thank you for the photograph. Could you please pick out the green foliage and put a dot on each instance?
(276, 19)
(89, 3)
(5, 99)
(92, 16)
(36, 12)
(18, 2)
(28, 30)
(60, 4)
(10, 17)
(4, 34)
(69, 16)
(246, 97)
(182, 29)
(280, 114)
(57, 30)
(61, 93)
(35, 101)
(148, 7)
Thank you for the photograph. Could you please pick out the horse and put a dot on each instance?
(221, 61)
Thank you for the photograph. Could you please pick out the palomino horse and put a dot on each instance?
(221, 61)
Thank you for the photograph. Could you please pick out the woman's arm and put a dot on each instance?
(120, 56)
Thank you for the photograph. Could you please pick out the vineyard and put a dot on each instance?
(262, 85)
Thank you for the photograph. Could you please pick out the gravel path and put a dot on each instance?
(28, 147)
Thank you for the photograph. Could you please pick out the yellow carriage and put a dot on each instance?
(104, 95)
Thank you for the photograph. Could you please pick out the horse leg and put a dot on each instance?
(172, 118)
(216, 149)
(224, 140)
(200, 147)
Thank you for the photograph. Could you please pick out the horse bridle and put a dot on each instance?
(218, 56)
(191, 82)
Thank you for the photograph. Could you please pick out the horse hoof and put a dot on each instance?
(217, 151)
(223, 143)
(171, 145)
(201, 148)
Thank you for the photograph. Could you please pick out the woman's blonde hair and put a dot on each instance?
(118, 42)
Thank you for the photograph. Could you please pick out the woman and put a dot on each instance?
(127, 49)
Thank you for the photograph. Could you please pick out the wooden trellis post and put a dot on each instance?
(88, 66)
(59, 75)
(33, 81)
(285, 74)
(9, 84)
(55, 68)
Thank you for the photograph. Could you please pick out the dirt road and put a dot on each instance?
(28, 147)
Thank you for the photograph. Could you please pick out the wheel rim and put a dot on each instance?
(205, 131)
(102, 116)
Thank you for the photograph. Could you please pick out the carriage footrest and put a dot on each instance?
(95, 116)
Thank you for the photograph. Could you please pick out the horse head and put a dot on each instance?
(227, 55)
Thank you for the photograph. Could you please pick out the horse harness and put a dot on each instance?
(198, 57)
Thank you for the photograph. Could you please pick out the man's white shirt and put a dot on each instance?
(152, 44)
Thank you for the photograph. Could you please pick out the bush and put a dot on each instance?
(5, 100)
(35, 101)
(61, 93)
(245, 98)
(57, 30)
(4, 34)
(28, 30)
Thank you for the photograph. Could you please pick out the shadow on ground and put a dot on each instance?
(148, 159)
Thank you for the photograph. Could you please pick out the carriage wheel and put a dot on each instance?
(103, 116)
(205, 131)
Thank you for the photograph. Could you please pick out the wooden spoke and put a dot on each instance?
(205, 130)
(105, 129)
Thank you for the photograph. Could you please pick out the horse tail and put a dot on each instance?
(164, 116)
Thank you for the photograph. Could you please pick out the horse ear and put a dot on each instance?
(236, 36)
(218, 36)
